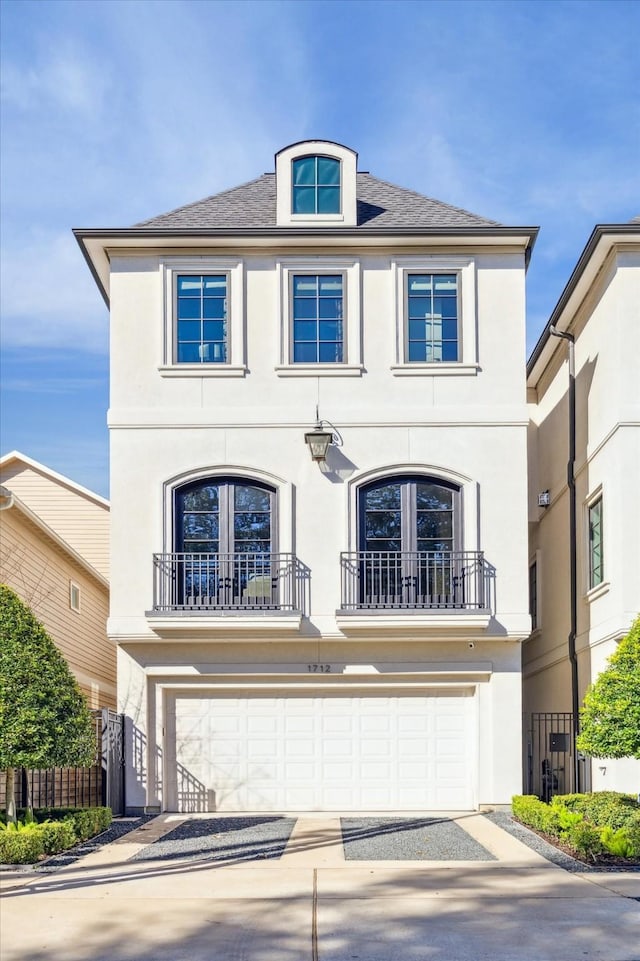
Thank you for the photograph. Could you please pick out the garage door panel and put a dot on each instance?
(376, 752)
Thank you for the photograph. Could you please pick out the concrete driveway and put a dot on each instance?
(313, 905)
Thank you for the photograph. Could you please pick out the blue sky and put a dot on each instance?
(524, 112)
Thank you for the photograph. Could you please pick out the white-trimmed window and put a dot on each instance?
(316, 185)
(595, 543)
(203, 307)
(534, 593)
(74, 596)
(435, 316)
(320, 317)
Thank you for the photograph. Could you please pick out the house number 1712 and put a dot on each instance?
(319, 668)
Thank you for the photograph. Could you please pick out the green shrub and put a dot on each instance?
(538, 815)
(87, 822)
(604, 808)
(568, 819)
(617, 842)
(57, 836)
(585, 838)
(21, 847)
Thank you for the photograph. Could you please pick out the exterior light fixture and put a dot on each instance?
(544, 499)
(318, 440)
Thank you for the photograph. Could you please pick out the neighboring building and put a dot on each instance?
(54, 543)
(600, 308)
(341, 634)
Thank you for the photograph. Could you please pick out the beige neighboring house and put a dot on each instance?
(54, 550)
(600, 309)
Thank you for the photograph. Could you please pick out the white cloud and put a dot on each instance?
(48, 296)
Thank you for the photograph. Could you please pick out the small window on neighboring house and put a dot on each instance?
(74, 596)
(596, 559)
(201, 319)
(317, 312)
(432, 318)
(316, 185)
(533, 594)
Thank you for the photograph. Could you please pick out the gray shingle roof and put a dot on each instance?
(380, 204)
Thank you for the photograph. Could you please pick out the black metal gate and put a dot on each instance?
(113, 761)
(550, 757)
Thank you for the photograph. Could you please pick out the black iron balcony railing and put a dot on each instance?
(226, 582)
(422, 580)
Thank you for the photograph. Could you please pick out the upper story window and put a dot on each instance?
(596, 558)
(201, 318)
(317, 308)
(432, 318)
(316, 185)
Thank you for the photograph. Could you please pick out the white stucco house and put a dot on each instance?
(339, 633)
(599, 311)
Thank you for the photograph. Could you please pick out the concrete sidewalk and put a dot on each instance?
(312, 905)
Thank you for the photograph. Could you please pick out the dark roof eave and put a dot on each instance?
(596, 235)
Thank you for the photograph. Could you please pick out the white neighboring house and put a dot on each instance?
(340, 634)
(600, 309)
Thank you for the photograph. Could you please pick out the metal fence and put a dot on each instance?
(445, 580)
(102, 783)
(550, 756)
(223, 582)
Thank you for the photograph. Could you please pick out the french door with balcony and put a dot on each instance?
(409, 544)
(224, 534)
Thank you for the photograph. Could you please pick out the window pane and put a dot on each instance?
(382, 524)
(202, 526)
(419, 307)
(204, 499)
(433, 497)
(304, 170)
(383, 498)
(215, 286)
(596, 565)
(304, 200)
(305, 331)
(189, 330)
(434, 524)
(435, 546)
(252, 498)
(449, 351)
(420, 283)
(330, 330)
(189, 286)
(328, 200)
(331, 307)
(445, 306)
(328, 171)
(330, 353)
(304, 285)
(330, 284)
(305, 353)
(188, 353)
(445, 282)
(213, 353)
(214, 308)
(417, 352)
(248, 525)
(387, 545)
(188, 308)
(214, 330)
(450, 329)
(253, 547)
(305, 308)
(200, 547)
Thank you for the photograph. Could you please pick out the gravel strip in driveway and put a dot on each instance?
(235, 839)
(409, 839)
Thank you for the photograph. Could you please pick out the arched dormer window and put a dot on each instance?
(316, 185)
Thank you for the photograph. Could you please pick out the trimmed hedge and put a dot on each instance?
(597, 823)
(53, 830)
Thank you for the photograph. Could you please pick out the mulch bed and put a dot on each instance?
(599, 860)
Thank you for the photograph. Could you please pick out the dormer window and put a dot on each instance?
(316, 185)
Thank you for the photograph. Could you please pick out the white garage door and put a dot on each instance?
(324, 753)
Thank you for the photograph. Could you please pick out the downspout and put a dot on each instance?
(571, 483)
